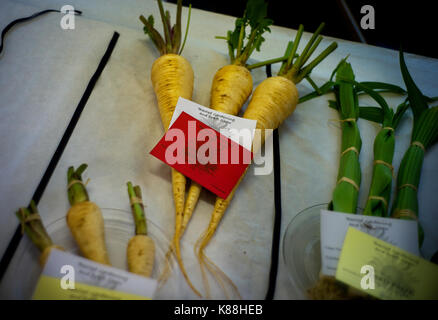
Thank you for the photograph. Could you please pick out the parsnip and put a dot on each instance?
(85, 219)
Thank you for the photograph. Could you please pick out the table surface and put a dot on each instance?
(44, 71)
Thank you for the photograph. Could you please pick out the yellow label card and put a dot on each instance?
(385, 271)
(48, 288)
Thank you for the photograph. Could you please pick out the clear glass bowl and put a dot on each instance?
(119, 228)
(302, 249)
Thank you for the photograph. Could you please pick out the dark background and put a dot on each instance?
(412, 24)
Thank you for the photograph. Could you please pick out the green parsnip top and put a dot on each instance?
(242, 42)
(172, 34)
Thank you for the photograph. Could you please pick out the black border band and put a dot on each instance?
(275, 251)
(21, 20)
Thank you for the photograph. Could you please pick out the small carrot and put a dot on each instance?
(32, 225)
(272, 102)
(141, 247)
(85, 219)
(172, 77)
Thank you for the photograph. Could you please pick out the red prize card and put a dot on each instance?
(203, 154)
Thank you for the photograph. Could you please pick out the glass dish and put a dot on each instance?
(302, 249)
(119, 228)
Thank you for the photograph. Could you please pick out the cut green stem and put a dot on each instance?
(165, 27)
(313, 84)
(230, 47)
(137, 208)
(286, 54)
(187, 30)
(308, 69)
(240, 43)
(304, 54)
(263, 63)
(33, 226)
(293, 69)
(176, 36)
(76, 189)
(312, 49)
(295, 46)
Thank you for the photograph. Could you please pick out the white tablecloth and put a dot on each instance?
(120, 125)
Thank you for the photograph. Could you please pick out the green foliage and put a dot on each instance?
(242, 43)
(151, 21)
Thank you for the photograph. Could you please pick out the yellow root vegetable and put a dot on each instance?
(32, 225)
(272, 102)
(141, 255)
(232, 85)
(85, 221)
(172, 77)
(141, 248)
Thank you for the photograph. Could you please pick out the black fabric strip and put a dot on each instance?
(17, 21)
(277, 216)
(13, 244)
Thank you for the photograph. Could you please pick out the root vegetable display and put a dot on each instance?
(85, 219)
(141, 247)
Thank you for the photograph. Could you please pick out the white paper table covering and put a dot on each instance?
(43, 73)
(120, 124)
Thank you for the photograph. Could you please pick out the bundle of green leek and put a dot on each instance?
(346, 191)
(380, 190)
(424, 135)
(345, 194)
(347, 91)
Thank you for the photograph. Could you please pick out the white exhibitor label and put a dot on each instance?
(230, 126)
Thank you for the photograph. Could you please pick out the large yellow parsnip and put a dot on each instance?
(172, 77)
(272, 102)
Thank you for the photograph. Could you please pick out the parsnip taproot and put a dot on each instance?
(232, 85)
(141, 247)
(33, 227)
(85, 219)
(272, 102)
(172, 77)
